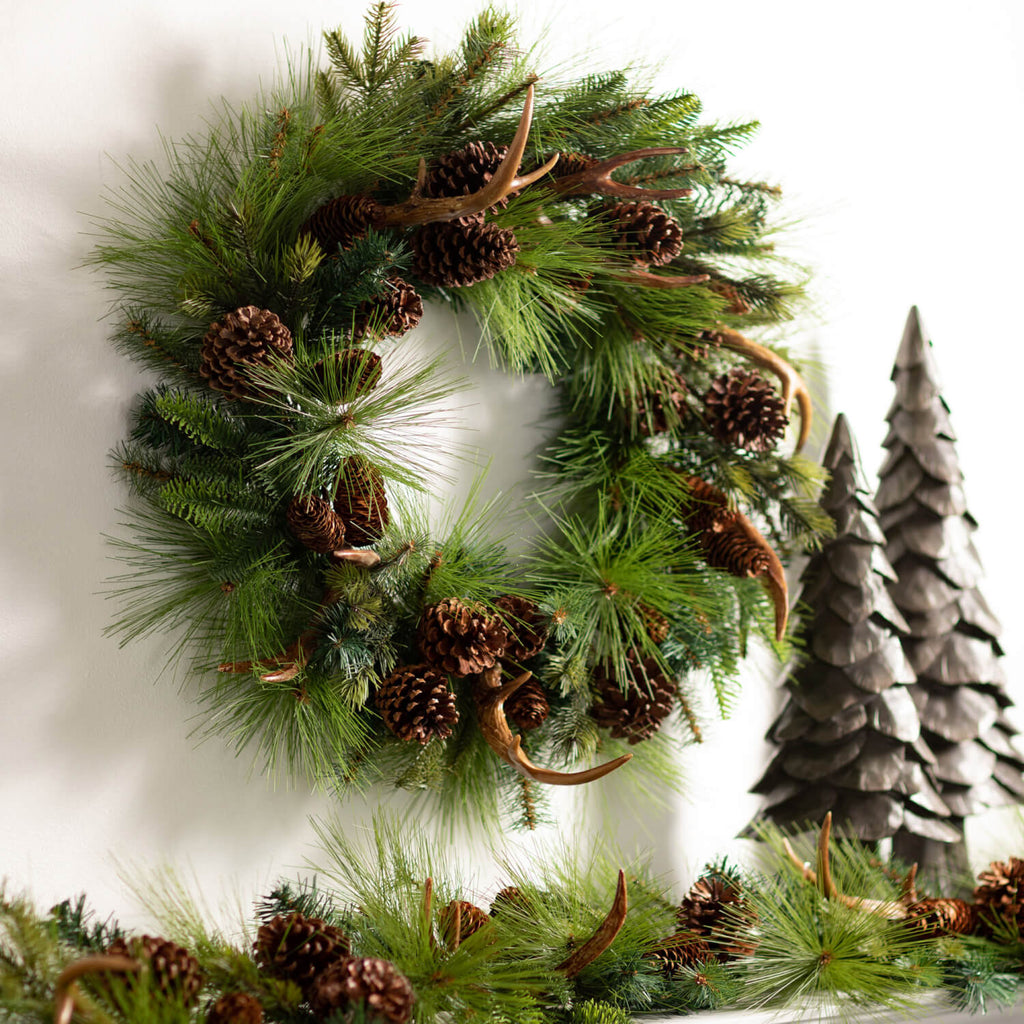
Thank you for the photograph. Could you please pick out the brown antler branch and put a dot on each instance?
(603, 937)
(421, 209)
(64, 992)
(649, 280)
(793, 387)
(286, 665)
(598, 178)
(491, 695)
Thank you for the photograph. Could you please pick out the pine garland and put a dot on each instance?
(272, 255)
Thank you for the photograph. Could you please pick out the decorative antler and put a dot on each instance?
(649, 280)
(491, 695)
(603, 937)
(793, 386)
(286, 665)
(598, 178)
(420, 209)
(64, 993)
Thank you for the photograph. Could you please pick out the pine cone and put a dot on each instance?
(172, 969)
(465, 171)
(510, 896)
(362, 502)
(342, 221)
(236, 1008)
(526, 625)
(315, 523)
(353, 371)
(736, 304)
(452, 255)
(469, 918)
(376, 984)
(396, 310)
(742, 409)
(572, 163)
(461, 639)
(298, 948)
(417, 703)
(723, 532)
(648, 700)
(655, 623)
(659, 411)
(714, 908)
(1001, 892)
(528, 707)
(645, 232)
(943, 916)
(684, 949)
(249, 336)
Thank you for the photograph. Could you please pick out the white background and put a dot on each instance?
(894, 129)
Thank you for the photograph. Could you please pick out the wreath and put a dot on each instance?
(268, 275)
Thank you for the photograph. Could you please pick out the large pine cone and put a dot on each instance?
(386, 994)
(648, 700)
(417, 703)
(460, 638)
(298, 948)
(172, 969)
(715, 909)
(727, 543)
(249, 336)
(399, 308)
(362, 502)
(315, 523)
(459, 920)
(236, 1008)
(742, 409)
(452, 255)
(1000, 893)
(527, 627)
(684, 949)
(645, 232)
(465, 171)
(351, 372)
(944, 916)
(659, 411)
(528, 707)
(342, 221)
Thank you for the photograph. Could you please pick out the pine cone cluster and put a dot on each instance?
(249, 336)
(461, 639)
(396, 310)
(297, 948)
(361, 502)
(1000, 892)
(376, 984)
(645, 232)
(465, 171)
(342, 221)
(633, 708)
(742, 410)
(235, 1008)
(684, 949)
(314, 522)
(452, 254)
(459, 920)
(417, 704)
(715, 909)
(526, 625)
(727, 538)
(351, 372)
(661, 409)
(172, 969)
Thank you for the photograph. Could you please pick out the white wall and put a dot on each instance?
(895, 129)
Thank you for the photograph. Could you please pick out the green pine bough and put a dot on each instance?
(392, 933)
(279, 468)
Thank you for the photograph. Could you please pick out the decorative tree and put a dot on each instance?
(849, 734)
(952, 642)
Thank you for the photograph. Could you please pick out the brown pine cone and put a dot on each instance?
(376, 984)
(572, 163)
(452, 255)
(659, 411)
(528, 707)
(655, 623)
(527, 627)
(459, 920)
(398, 309)
(645, 232)
(684, 949)
(236, 1008)
(417, 703)
(465, 171)
(350, 372)
(362, 502)
(298, 948)
(172, 969)
(742, 410)
(727, 538)
(314, 522)
(736, 304)
(715, 909)
(943, 916)
(461, 639)
(1001, 891)
(648, 700)
(249, 336)
(510, 896)
(342, 221)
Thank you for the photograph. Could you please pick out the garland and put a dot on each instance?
(279, 466)
(394, 938)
